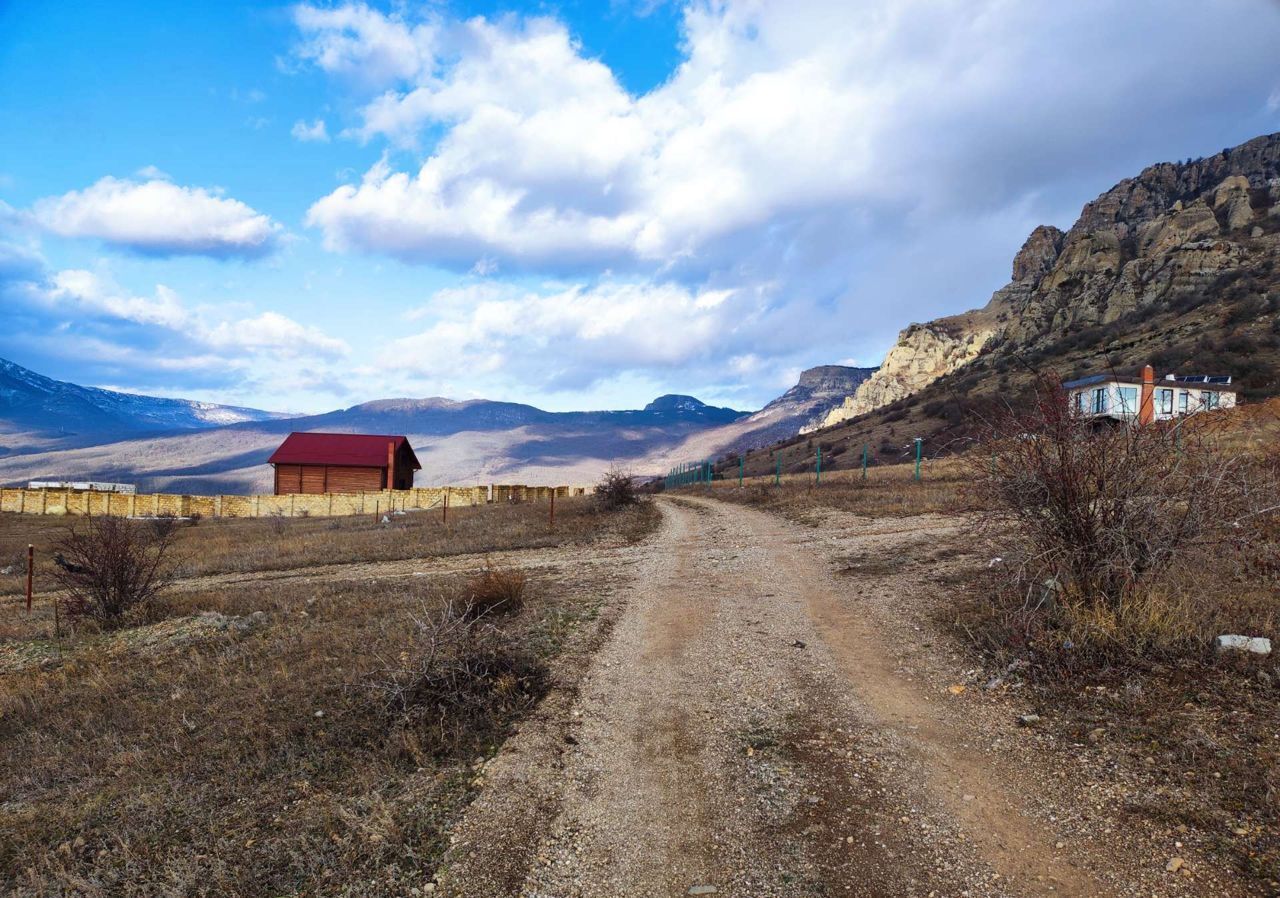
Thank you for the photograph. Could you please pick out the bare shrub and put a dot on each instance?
(111, 567)
(277, 523)
(616, 490)
(164, 524)
(1116, 538)
(495, 592)
(458, 685)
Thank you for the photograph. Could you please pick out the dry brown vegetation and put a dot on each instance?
(888, 490)
(235, 747)
(1116, 556)
(1122, 542)
(229, 544)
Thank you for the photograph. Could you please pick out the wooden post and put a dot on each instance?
(553, 508)
(375, 510)
(31, 565)
(444, 515)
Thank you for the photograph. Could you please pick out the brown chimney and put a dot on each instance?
(1147, 403)
(391, 464)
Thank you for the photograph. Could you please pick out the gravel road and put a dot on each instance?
(747, 728)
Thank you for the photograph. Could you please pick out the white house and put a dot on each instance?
(1144, 399)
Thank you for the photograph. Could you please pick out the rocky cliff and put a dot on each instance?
(1149, 247)
(923, 353)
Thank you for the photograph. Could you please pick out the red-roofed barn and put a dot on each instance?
(343, 463)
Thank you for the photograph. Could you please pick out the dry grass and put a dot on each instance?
(888, 491)
(232, 545)
(233, 748)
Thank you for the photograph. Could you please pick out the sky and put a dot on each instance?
(577, 205)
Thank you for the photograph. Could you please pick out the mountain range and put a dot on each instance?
(57, 430)
(1177, 267)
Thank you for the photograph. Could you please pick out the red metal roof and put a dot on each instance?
(365, 450)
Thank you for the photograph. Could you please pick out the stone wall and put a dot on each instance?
(86, 503)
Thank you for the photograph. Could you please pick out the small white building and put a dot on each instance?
(1144, 399)
(85, 486)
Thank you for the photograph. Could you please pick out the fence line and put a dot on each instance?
(91, 502)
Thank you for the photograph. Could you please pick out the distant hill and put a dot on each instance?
(40, 412)
(1178, 267)
(472, 441)
(457, 441)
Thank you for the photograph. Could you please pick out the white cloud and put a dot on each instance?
(88, 292)
(152, 173)
(570, 336)
(77, 299)
(156, 217)
(314, 132)
(834, 169)
(273, 331)
(547, 162)
(362, 43)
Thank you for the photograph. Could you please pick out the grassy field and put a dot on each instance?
(887, 490)
(223, 545)
(232, 744)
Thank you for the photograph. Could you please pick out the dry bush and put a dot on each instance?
(112, 567)
(495, 591)
(460, 683)
(164, 524)
(1116, 540)
(616, 490)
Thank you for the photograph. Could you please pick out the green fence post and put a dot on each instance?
(864, 461)
(741, 462)
(919, 444)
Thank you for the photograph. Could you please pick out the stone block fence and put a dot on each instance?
(89, 502)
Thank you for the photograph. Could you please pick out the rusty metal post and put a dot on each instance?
(553, 508)
(31, 565)
(444, 517)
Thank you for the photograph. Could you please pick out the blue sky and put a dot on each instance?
(578, 205)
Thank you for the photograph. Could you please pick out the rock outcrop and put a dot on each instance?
(803, 407)
(1145, 244)
(923, 353)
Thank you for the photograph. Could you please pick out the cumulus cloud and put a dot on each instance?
(273, 331)
(81, 323)
(882, 109)
(316, 132)
(833, 170)
(157, 217)
(570, 336)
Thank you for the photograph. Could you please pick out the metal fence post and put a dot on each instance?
(818, 473)
(864, 461)
(777, 470)
(919, 445)
(31, 564)
(741, 462)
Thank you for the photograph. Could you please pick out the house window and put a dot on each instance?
(1208, 399)
(1184, 399)
(1166, 402)
(1079, 402)
(1100, 401)
(1129, 400)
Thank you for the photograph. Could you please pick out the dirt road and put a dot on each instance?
(750, 729)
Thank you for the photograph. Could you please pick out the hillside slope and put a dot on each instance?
(457, 442)
(40, 412)
(1178, 267)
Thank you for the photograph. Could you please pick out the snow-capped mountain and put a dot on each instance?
(64, 414)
